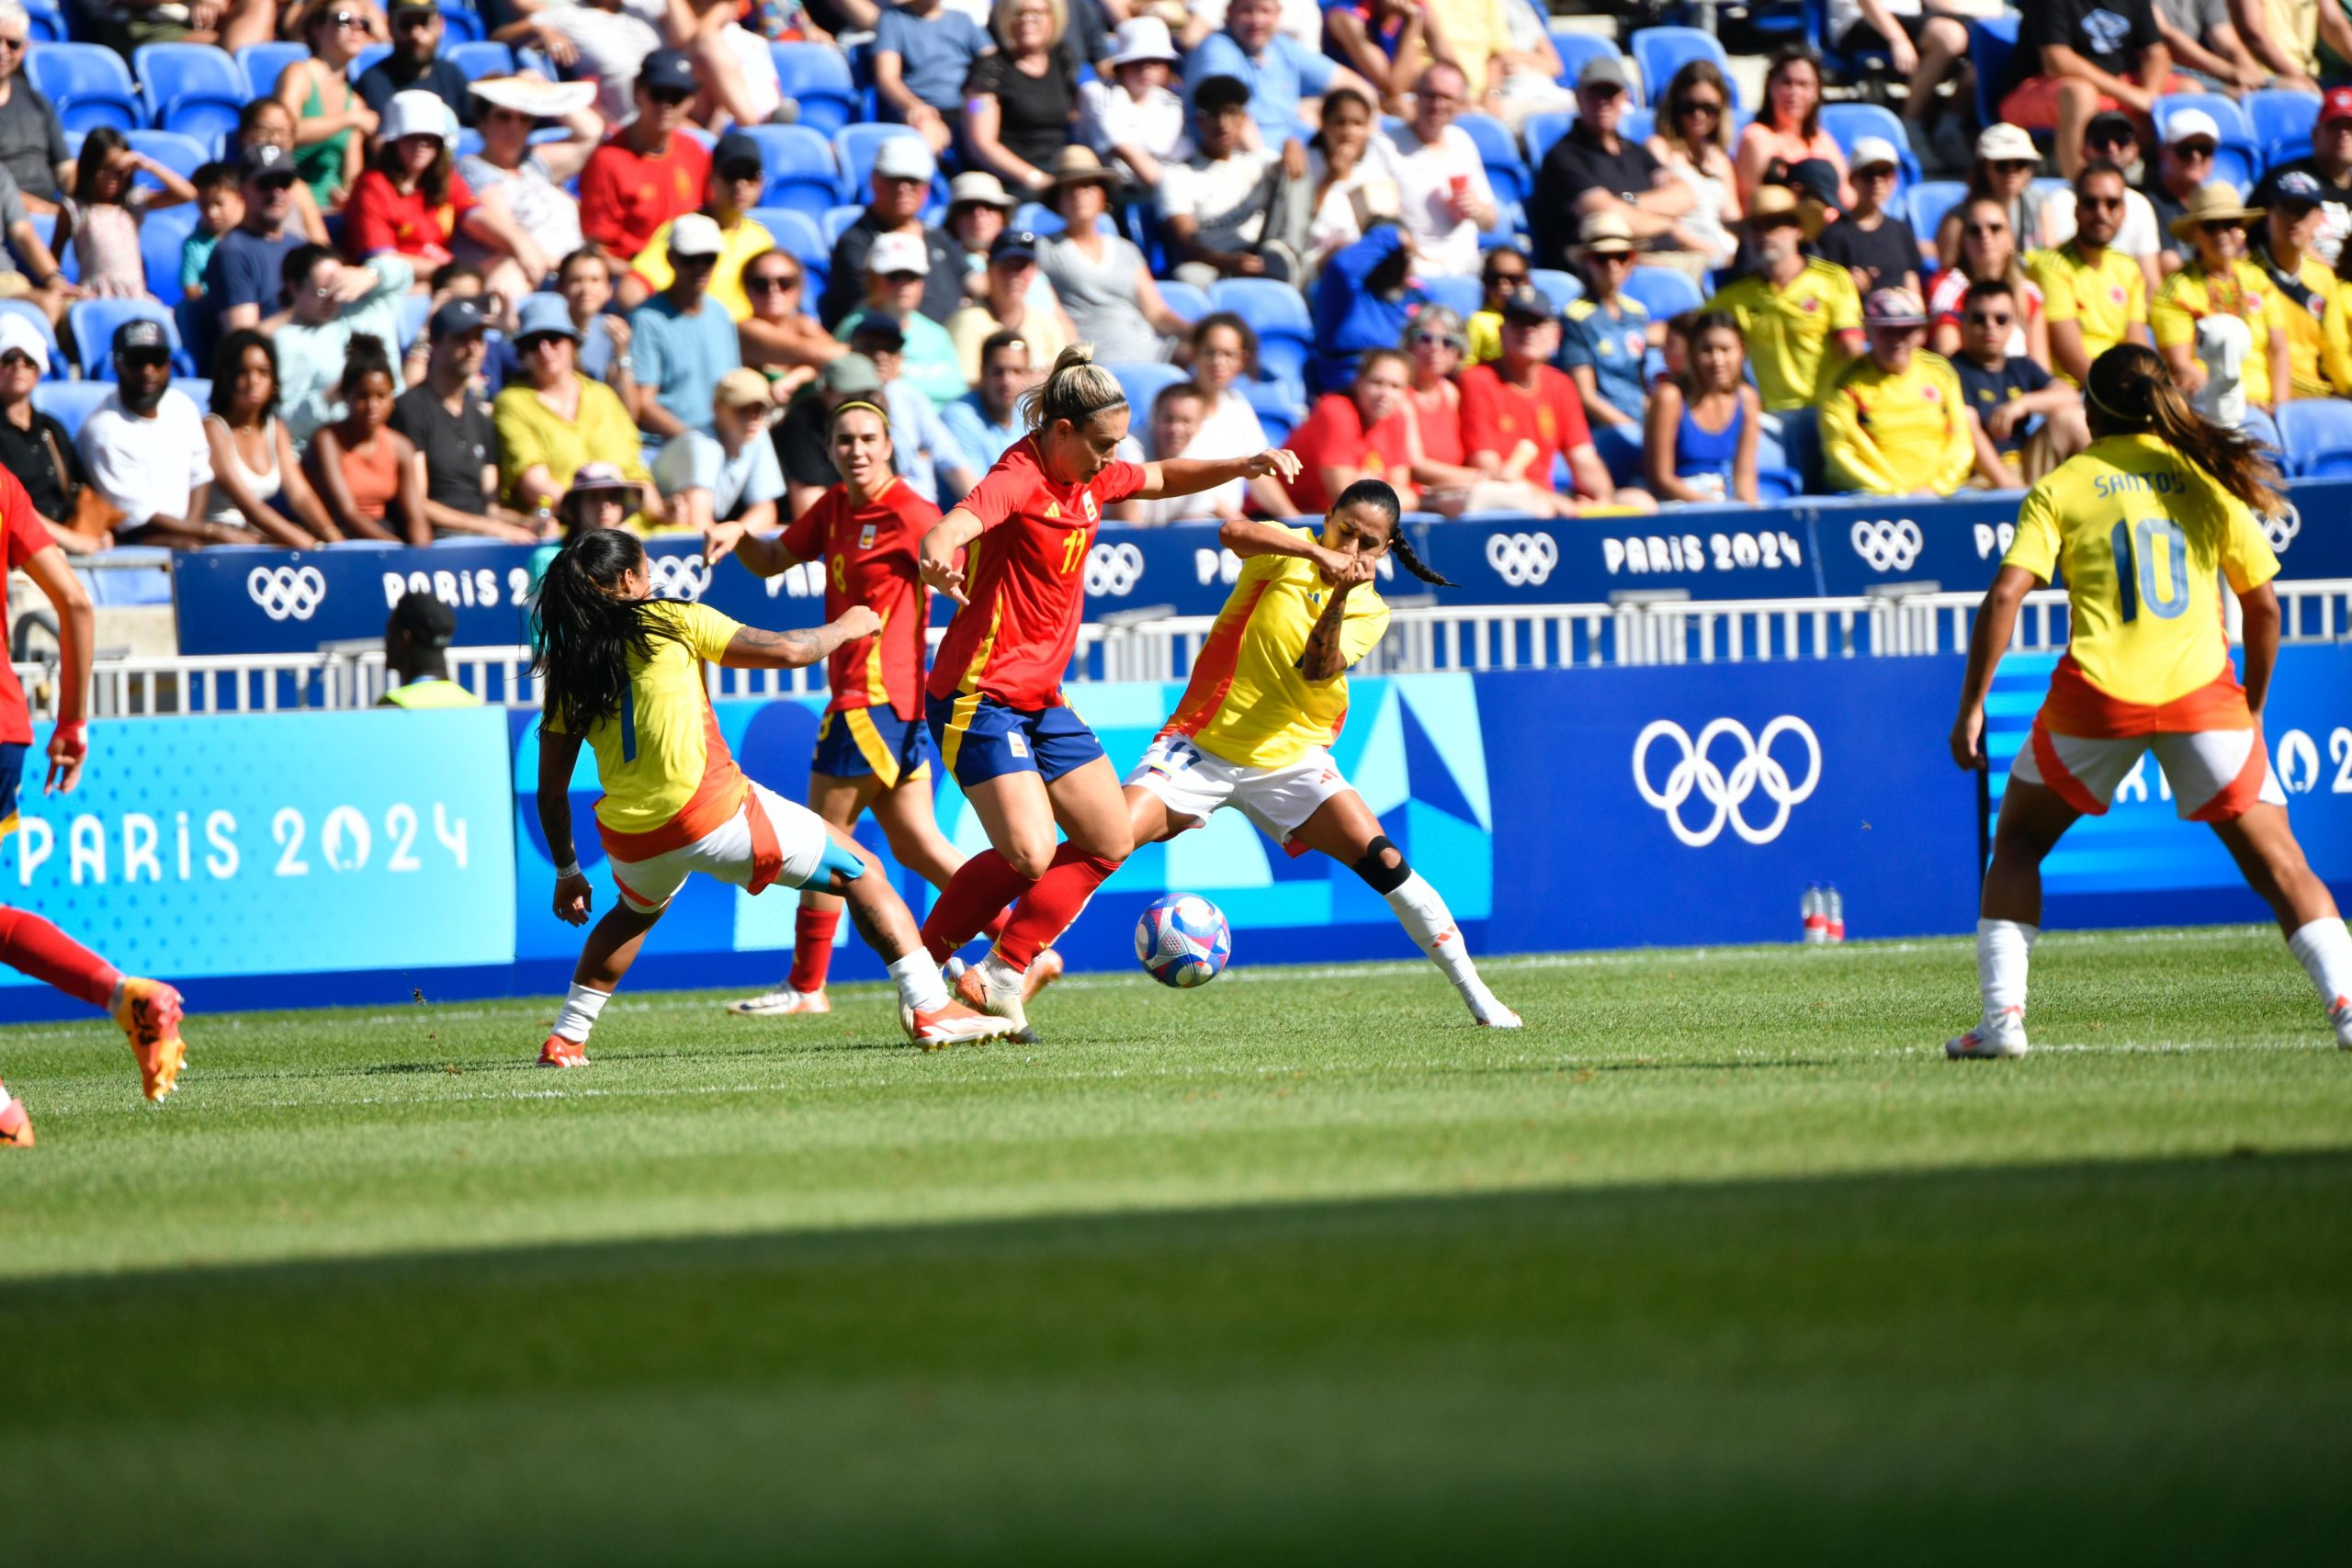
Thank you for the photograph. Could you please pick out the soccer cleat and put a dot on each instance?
(994, 987)
(1499, 1016)
(16, 1127)
(150, 1013)
(782, 1002)
(952, 1023)
(561, 1053)
(2006, 1040)
(2340, 1015)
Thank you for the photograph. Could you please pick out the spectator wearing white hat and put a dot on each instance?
(525, 179)
(738, 175)
(1894, 420)
(681, 340)
(903, 170)
(36, 448)
(896, 269)
(2007, 162)
(2183, 166)
(978, 209)
(1136, 119)
(1874, 244)
(411, 202)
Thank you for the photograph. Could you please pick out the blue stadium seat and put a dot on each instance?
(196, 389)
(2235, 130)
(1575, 49)
(1276, 406)
(479, 60)
(796, 234)
(1506, 170)
(1143, 383)
(365, 58)
(2309, 426)
(1640, 124)
(1839, 66)
(469, 143)
(47, 22)
(1277, 313)
(1541, 131)
(70, 402)
(1848, 123)
(2272, 113)
(1463, 295)
(460, 23)
(801, 173)
(817, 79)
(1186, 300)
(415, 308)
(1773, 485)
(176, 151)
(2286, 150)
(163, 233)
(192, 88)
(92, 323)
(1990, 44)
(1930, 200)
(1662, 291)
(263, 63)
(87, 83)
(836, 220)
(1562, 289)
(2261, 428)
(1661, 51)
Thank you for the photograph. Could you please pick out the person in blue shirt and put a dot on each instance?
(1362, 300)
(681, 340)
(921, 55)
(1286, 79)
(983, 421)
(1604, 336)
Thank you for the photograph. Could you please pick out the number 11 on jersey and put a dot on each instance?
(1073, 550)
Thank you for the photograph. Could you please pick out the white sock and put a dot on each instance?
(2002, 947)
(2324, 950)
(1422, 910)
(920, 987)
(581, 1007)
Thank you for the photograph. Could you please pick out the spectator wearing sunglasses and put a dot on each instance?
(2027, 421)
(416, 62)
(780, 339)
(1988, 250)
(2093, 296)
(525, 182)
(1503, 274)
(2306, 289)
(36, 448)
(651, 171)
(2006, 163)
(2216, 320)
(1892, 419)
(1692, 143)
(32, 139)
(2184, 164)
(1604, 338)
(332, 121)
(2111, 139)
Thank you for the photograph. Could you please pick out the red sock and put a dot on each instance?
(812, 947)
(31, 944)
(1053, 906)
(977, 892)
(995, 928)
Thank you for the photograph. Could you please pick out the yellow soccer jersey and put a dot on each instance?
(2300, 312)
(1247, 702)
(2144, 537)
(662, 752)
(2189, 296)
(2108, 297)
(1883, 434)
(1788, 329)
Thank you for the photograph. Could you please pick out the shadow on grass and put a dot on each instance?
(2147, 1360)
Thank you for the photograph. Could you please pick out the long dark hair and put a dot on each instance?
(1794, 54)
(1381, 497)
(2131, 392)
(90, 165)
(584, 633)
(229, 363)
(1694, 325)
(433, 183)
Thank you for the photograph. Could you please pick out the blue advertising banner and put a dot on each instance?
(275, 844)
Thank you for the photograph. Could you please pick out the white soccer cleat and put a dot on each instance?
(952, 1023)
(2340, 1015)
(998, 989)
(1500, 1017)
(782, 1002)
(2006, 1039)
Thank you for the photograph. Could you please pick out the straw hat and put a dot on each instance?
(1080, 166)
(2215, 203)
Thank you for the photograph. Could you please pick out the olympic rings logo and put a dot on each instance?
(1114, 569)
(2281, 526)
(1523, 559)
(1888, 546)
(287, 592)
(1696, 773)
(677, 577)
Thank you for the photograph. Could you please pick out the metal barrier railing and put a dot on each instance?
(1149, 645)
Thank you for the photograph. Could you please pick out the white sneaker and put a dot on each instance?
(2006, 1039)
(998, 989)
(952, 1023)
(2340, 1015)
(782, 1002)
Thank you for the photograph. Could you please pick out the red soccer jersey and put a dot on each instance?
(26, 538)
(1498, 416)
(869, 554)
(624, 195)
(1026, 578)
(379, 218)
(1335, 434)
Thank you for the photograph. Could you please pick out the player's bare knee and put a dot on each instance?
(1031, 857)
(1383, 867)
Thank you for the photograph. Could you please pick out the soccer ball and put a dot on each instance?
(1182, 940)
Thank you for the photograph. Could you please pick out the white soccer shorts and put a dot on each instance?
(2215, 774)
(769, 840)
(1192, 783)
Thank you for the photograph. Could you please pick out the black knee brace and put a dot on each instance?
(1379, 875)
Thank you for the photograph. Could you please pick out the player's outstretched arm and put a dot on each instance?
(1246, 537)
(941, 545)
(762, 554)
(2259, 618)
(76, 634)
(1997, 618)
(1190, 475)
(752, 648)
(558, 753)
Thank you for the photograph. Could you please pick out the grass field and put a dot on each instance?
(1718, 1259)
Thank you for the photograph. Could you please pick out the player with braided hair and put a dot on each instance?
(1269, 694)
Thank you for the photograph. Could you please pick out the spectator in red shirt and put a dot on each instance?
(1519, 415)
(1363, 434)
(412, 201)
(650, 170)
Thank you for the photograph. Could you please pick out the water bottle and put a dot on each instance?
(1833, 914)
(1816, 914)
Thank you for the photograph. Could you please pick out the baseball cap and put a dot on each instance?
(545, 315)
(590, 478)
(905, 158)
(417, 113)
(2004, 142)
(978, 186)
(742, 388)
(2337, 105)
(428, 621)
(852, 373)
(667, 71)
(2109, 125)
(879, 324)
(2294, 187)
(1023, 243)
(1874, 153)
(2188, 124)
(1604, 71)
(456, 318)
(263, 163)
(1526, 304)
(734, 149)
(19, 334)
(1893, 307)
(141, 334)
(897, 253)
(696, 234)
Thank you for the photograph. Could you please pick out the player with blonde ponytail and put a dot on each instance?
(1012, 556)
(2144, 524)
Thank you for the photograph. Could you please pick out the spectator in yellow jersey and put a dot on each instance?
(2214, 317)
(2336, 328)
(1800, 315)
(2093, 296)
(2305, 288)
(1894, 421)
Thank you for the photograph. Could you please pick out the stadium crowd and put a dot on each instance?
(328, 271)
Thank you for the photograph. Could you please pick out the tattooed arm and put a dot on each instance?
(752, 648)
(1323, 658)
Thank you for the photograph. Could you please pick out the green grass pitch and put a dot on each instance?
(1717, 1261)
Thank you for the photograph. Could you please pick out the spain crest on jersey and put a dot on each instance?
(867, 536)
(1086, 502)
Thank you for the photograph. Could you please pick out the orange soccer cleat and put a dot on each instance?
(951, 1024)
(16, 1127)
(150, 1013)
(1042, 970)
(561, 1053)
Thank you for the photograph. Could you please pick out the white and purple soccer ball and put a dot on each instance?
(1182, 940)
